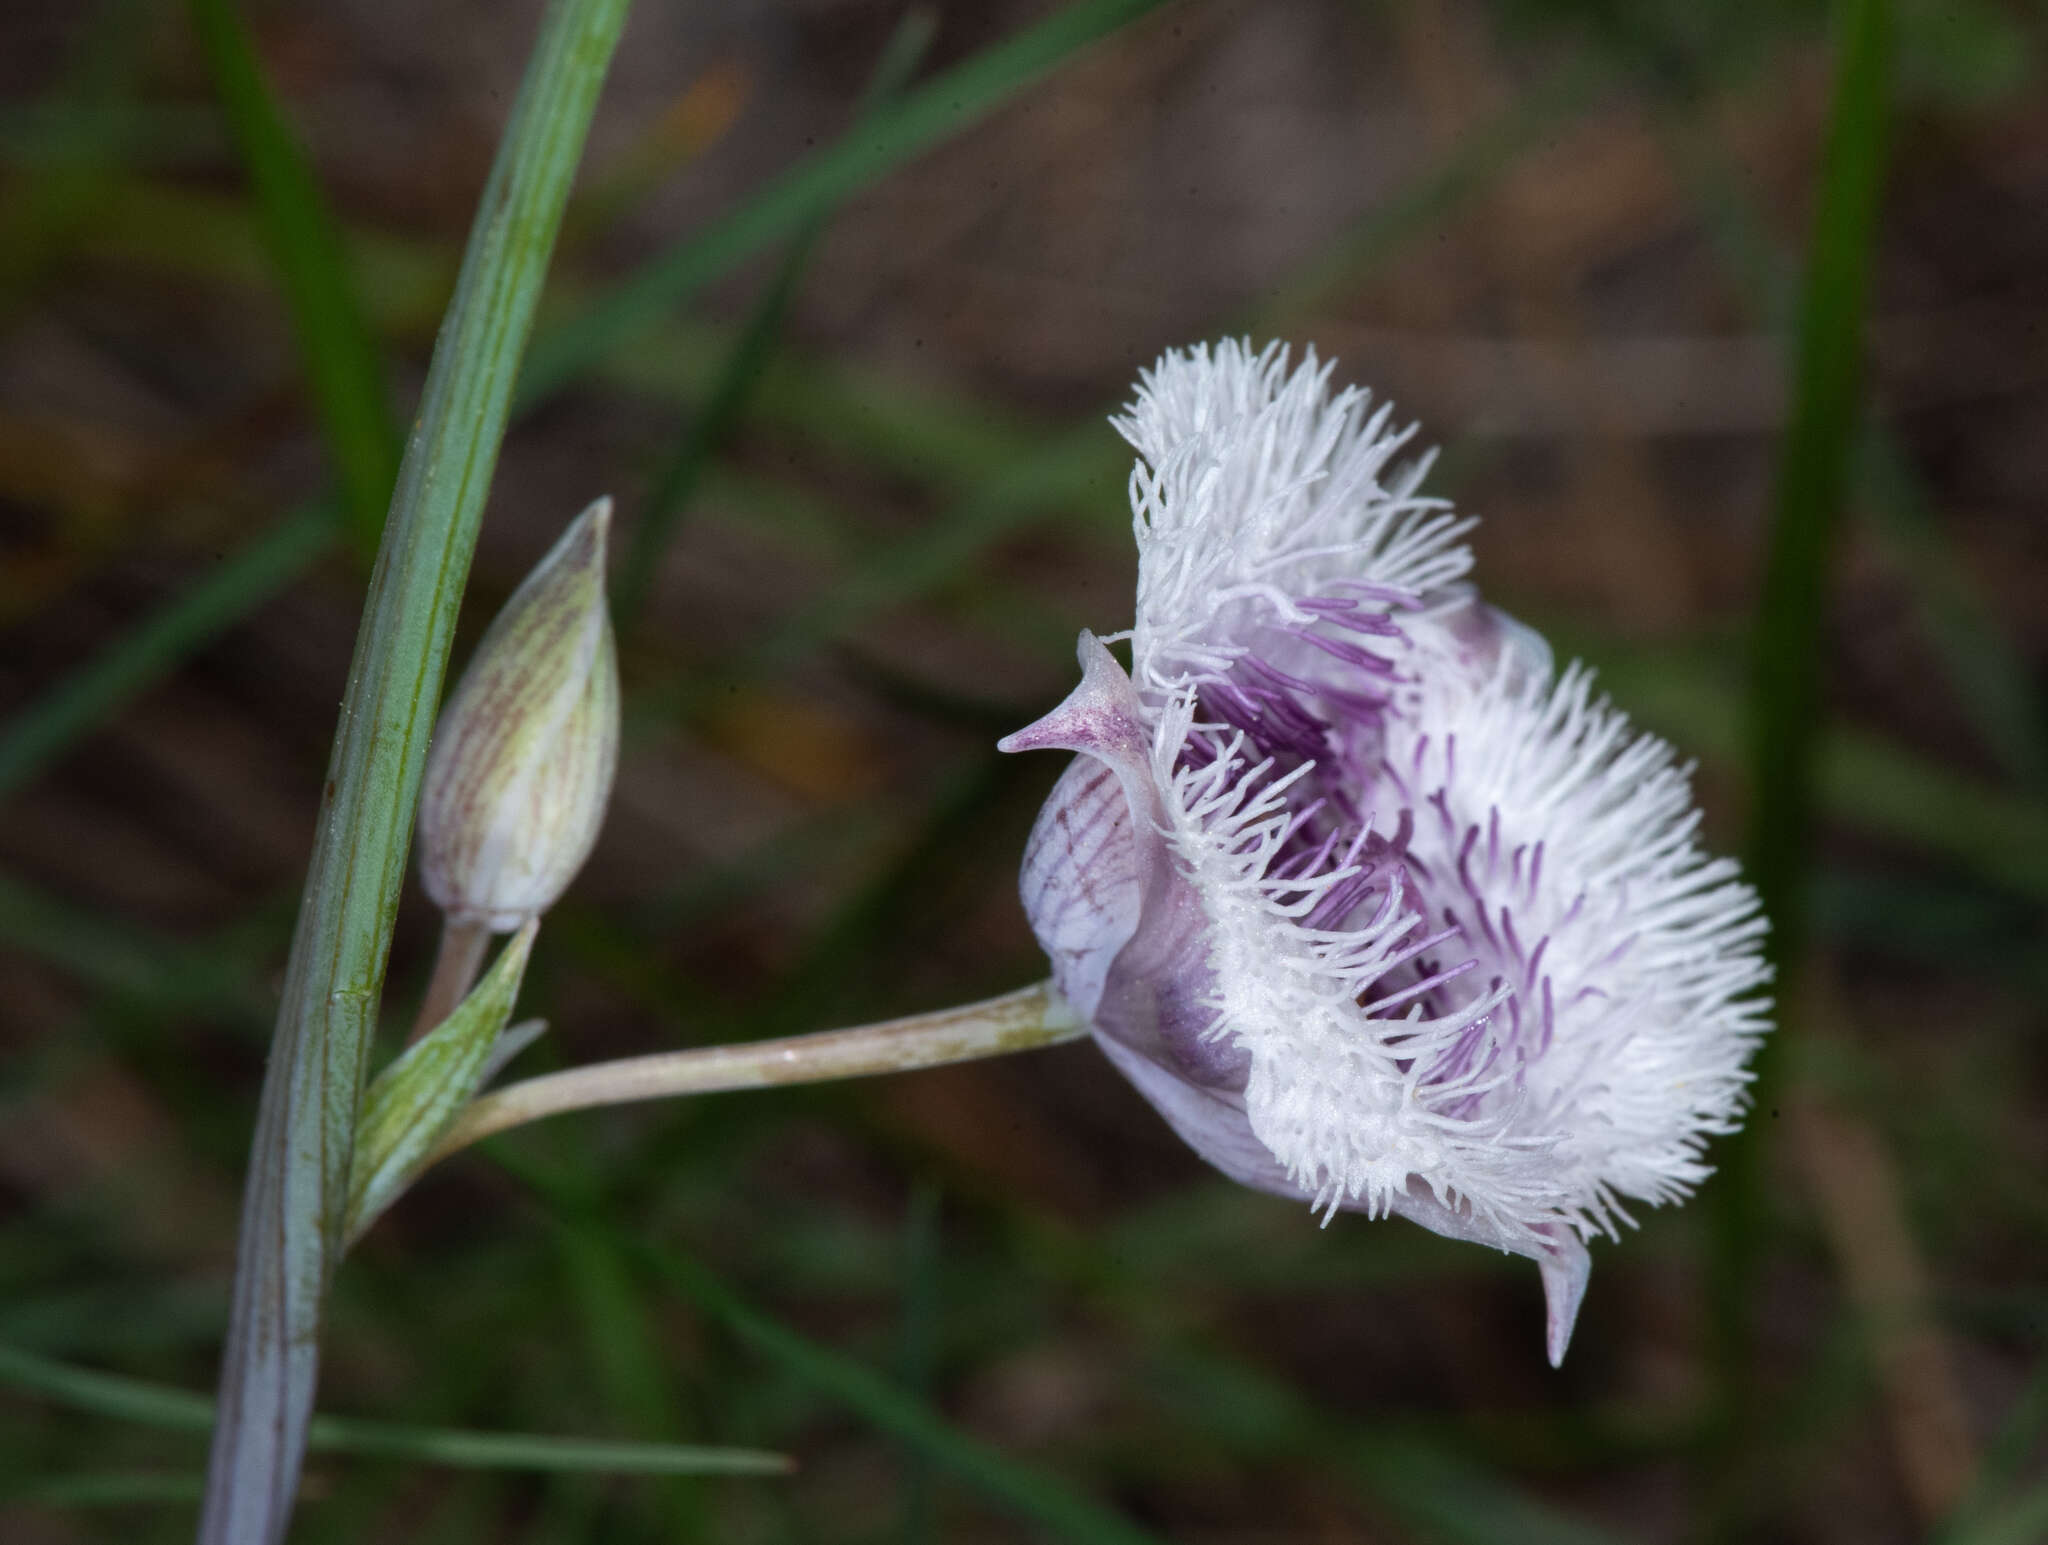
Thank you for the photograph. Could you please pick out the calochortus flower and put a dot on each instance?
(1378, 908)
(523, 756)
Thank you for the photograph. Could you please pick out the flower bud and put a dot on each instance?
(523, 756)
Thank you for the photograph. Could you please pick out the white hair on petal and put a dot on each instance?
(1590, 844)
(1334, 1093)
(1256, 488)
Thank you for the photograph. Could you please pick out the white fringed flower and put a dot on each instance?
(1378, 909)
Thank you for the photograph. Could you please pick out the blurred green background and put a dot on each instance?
(844, 297)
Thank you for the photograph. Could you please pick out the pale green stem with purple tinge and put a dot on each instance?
(295, 1202)
(455, 968)
(1019, 1021)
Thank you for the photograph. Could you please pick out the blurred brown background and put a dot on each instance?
(1562, 236)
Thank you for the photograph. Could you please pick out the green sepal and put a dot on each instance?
(416, 1099)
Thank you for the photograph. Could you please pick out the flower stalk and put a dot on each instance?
(456, 963)
(1019, 1021)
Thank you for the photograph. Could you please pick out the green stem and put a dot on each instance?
(297, 1191)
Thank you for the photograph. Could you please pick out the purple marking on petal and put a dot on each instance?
(1350, 653)
(1341, 900)
(1369, 708)
(1377, 623)
(1471, 887)
(1344, 613)
(1301, 818)
(1619, 950)
(1306, 863)
(1440, 802)
(1404, 833)
(1507, 929)
(1082, 879)
(1272, 675)
(1393, 595)
(1416, 990)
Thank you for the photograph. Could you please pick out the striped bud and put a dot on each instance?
(523, 757)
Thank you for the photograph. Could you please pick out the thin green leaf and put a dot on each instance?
(638, 1383)
(412, 1102)
(963, 95)
(1978, 1518)
(155, 647)
(740, 375)
(535, 1451)
(1443, 1496)
(341, 357)
(1028, 1492)
(945, 106)
(45, 210)
(159, 1405)
(1080, 466)
(2024, 1522)
(108, 1488)
(1860, 780)
(1993, 683)
(1426, 201)
(917, 1346)
(113, 956)
(1813, 474)
(295, 1205)
(105, 1394)
(1785, 685)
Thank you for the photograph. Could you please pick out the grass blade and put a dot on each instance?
(1861, 780)
(1427, 201)
(1979, 1519)
(741, 372)
(944, 106)
(1992, 681)
(159, 1405)
(1813, 474)
(948, 104)
(341, 358)
(109, 1488)
(535, 1451)
(299, 1165)
(2024, 1522)
(916, 1348)
(157, 646)
(1025, 1491)
(1785, 686)
(46, 207)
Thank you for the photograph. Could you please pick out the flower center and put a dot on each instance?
(1315, 707)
